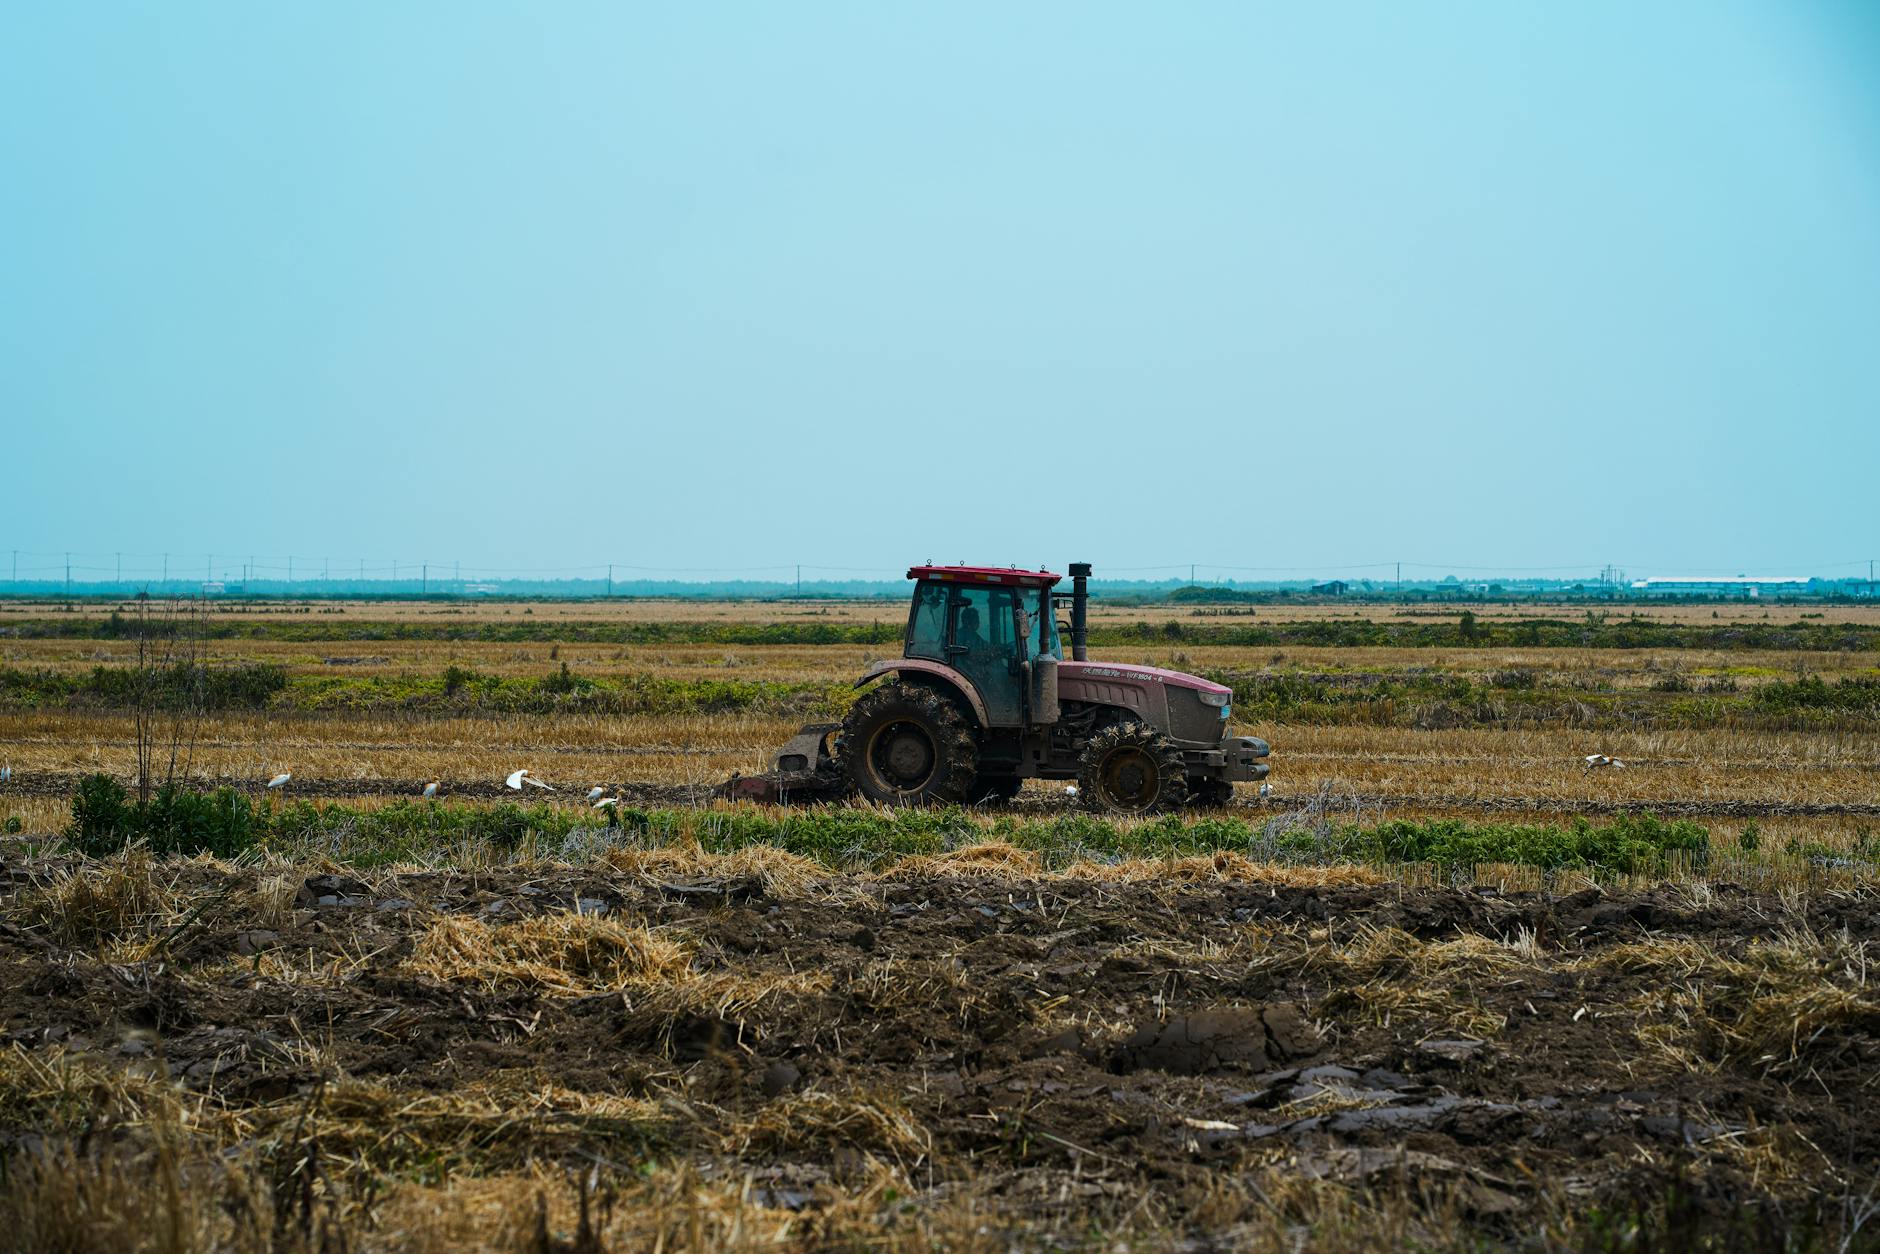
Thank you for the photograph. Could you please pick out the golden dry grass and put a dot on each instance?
(564, 954)
(1770, 1004)
(702, 750)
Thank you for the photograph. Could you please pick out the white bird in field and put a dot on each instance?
(1070, 790)
(595, 793)
(518, 778)
(604, 802)
(1266, 790)
(6, 773)
(280, 779)
(430, 790)
(1596, 760)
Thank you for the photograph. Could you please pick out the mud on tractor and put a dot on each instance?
(982, 699)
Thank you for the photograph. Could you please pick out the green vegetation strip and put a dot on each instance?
(1524, 697)
(1516, 696)
(1596, 630)
(258, 686)
(105, 818)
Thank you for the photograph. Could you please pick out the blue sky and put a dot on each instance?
(1496, 285)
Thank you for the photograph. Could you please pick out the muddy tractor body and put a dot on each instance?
(982, 698)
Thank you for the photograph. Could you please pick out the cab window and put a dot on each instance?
(927, 623)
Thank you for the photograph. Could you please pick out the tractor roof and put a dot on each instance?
(985, 574)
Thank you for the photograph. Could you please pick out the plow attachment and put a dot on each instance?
(803, 770)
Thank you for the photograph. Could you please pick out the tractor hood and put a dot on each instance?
(1137, 674)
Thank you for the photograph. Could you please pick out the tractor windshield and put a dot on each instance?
(983, 622)
(950, 621)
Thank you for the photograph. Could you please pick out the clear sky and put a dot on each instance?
(1499, 284)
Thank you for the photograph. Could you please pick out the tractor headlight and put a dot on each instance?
(1213, 698)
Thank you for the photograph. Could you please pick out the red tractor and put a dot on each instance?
(982, 699)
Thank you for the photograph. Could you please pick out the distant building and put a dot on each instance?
(1721, 586)
(1336, 588)
(214, 587)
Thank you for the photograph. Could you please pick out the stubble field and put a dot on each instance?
(710, 1026)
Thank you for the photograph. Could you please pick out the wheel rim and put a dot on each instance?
(903, 755)
(1130, 778)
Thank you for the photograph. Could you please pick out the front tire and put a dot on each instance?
(904, 745)
(1205, 793)
(995, 790)
(1131, 769)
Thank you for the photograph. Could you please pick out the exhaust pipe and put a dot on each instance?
(1080, 610)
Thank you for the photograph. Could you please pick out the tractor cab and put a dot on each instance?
(995, 627)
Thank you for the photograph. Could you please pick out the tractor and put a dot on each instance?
(981, 699)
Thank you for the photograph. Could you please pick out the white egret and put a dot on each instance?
(518, 778)
(595, 793)
(280, 780)
(430, 790)
(1596, 760)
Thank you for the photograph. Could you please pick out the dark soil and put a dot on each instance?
(1063, 1033)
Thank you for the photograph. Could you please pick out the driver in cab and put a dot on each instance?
(969, 637)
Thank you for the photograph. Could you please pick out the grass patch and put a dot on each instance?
(227, 823)
(454, 691)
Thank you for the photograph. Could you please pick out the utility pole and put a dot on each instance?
(1400, 579)
(68, 574)
(799, 579)
(424, 579)
(394, 570)
(1191, 574)
(290, 568)
(120, 569)
(610, 579)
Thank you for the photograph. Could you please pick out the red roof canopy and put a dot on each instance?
(985, 574)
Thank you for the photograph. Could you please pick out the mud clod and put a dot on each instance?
(1211, 1040)
(1454, 1052)
(779, 1078)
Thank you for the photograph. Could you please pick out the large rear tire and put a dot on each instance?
(1131, 768)
(906, 745)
